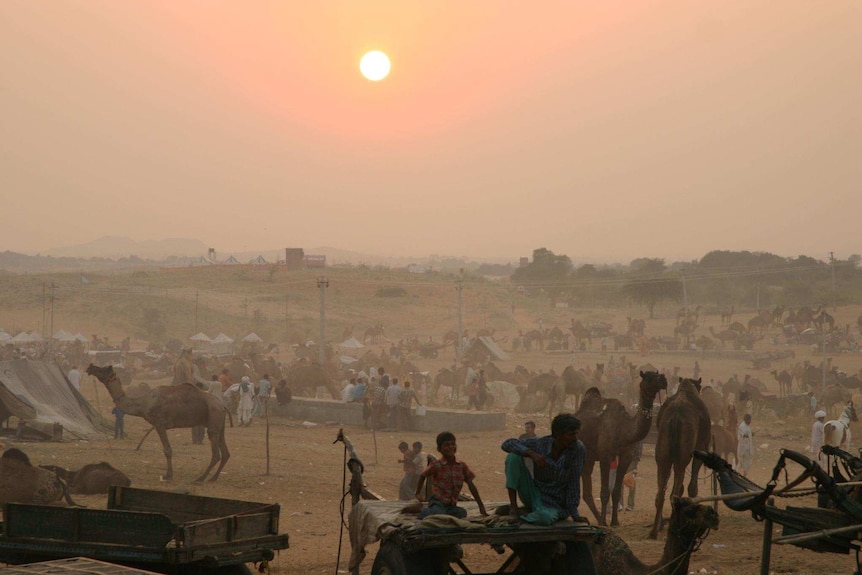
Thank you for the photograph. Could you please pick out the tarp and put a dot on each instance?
(351, 343)
(493, 348)
(38, 391)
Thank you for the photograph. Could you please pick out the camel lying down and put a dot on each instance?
(92, 479)
(22, 482)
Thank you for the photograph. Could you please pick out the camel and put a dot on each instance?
(715, 403)
(305, 375)
(581, 333)
(635, 327)
(725, 336)
(683, 425)
(725, 440)
(824, 319)
(609, 432)
(534, 336)
(738, 327)
(92, 479)
(22, 482)
(689, 524)
(572, 382)
(759, 324)
(832, 395)
(785, 382)
(172, 407)
(837, 432)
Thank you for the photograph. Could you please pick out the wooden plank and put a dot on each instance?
(181, 508)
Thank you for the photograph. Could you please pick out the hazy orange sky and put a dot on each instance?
(595, 129)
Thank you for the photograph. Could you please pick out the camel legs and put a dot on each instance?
(617, 493)
(169, 453)
(220, 455)
(692, 484)
(605, 491)
(663, 477)
(587, 485)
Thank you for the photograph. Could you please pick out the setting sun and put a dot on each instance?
(374, 65)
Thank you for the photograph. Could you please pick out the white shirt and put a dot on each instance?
(746, 441)
(347, 392)
(392, 393)
(816, 437)
(75, 379)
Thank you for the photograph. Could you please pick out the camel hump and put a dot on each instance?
(15, 454)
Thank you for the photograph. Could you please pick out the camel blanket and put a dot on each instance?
(378, 520)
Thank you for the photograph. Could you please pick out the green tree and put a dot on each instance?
(651, 285)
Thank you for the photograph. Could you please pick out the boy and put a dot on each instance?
(411, 472)
(119, 423)
(447, 477)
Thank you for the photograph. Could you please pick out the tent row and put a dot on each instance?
(220, 344)
(31, 337)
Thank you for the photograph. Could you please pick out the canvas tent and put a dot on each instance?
(222, 344)
(37, 391)
(252, 338)
(25, 337)
(493, 348)
(351, 343)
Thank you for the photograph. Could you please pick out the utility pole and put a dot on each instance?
(44, 310)
(485, 311)
(286, 320)
(51, 333)
(684, 293)
(322, 283)
(197, 294)
(757, 300)
(459, 287)
(832, 263)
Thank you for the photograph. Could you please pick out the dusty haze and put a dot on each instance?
(594, 129)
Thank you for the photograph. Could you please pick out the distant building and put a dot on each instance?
(314, 261)
(523, 262)
(293, 257)
(416, 269)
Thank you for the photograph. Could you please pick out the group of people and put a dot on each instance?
(387, 403)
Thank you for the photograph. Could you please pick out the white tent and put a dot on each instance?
(25, 337)
(252, 338)
(258, 260)
(222, 344)
(4, 336)
(201, 337)
(80, 337)
(351, 343)
(64, 336)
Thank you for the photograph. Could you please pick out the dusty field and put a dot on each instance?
(306, 471)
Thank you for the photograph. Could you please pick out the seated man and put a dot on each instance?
(552, 491)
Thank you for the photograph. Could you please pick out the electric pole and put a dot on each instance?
(322, 283)
(832, 263)
(197, 294)
(51, 333)
(684, 294)
(459, 287)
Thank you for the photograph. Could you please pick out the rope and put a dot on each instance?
(693, 546)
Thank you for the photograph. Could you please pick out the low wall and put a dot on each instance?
(434, 420)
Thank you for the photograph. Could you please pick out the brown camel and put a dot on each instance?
(725, 336)
(306, 376)
(785, 382)
(92, 479)
(609, 432)
(22, 482)
(689, 525)
(715, 403)
(172, 407)
(683, 425)
(572, 382)
(726, 314)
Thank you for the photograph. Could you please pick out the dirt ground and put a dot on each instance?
(306, 472)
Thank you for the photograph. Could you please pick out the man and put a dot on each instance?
(529, 431)
(264, 390)
(377, 402)
(553, 492)
(817, 434)
(392, 393)
(225, 380)
(347, 392)
(246, 401)
(184, 373)
(745, 450)
(405, 403)
(75, 377)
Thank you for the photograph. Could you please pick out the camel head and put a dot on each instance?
(693, 382)
(693, 519)
(652, 382)
(103, 374)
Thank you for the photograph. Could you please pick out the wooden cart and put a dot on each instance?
(155, 530)
(407, 547)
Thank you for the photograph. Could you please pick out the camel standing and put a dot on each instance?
(785, 382)
(609, 432)
(837, 432)
(683, 425)
(689, 525)
(172, 407)
(572, 382)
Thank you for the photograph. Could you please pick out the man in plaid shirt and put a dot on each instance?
(553, 490)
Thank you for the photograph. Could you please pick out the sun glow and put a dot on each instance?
(375, 65)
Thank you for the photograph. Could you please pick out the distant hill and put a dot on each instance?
(122, 246)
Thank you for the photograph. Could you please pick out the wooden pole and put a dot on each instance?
(374, 437)
(266, 414)
(802, 537)
(732, 496)
(766, 549)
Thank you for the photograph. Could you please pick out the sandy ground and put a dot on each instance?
(306, 473)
